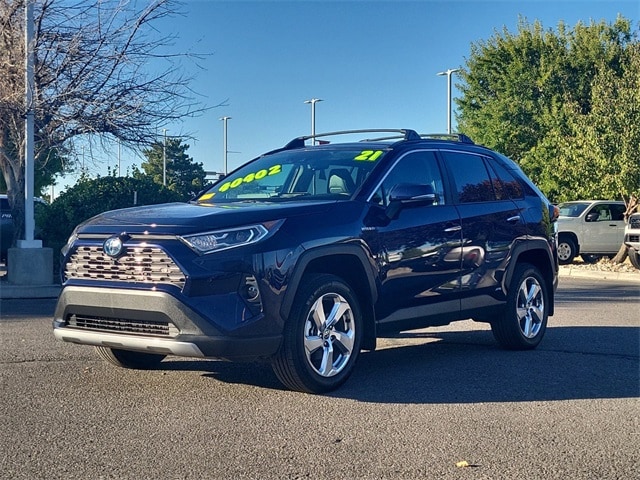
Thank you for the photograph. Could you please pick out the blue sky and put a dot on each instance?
(374, 64)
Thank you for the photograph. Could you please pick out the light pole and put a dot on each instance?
(164, 158)
(448, 74)
(29, 129)
(119, 155)
(224, 141)
(313, 102)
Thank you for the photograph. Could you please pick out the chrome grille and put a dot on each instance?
(139, 264)
(120, 325)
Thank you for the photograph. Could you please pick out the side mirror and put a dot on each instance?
(592, 217)
(410, 194)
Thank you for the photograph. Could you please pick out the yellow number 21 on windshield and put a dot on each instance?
(368, 155)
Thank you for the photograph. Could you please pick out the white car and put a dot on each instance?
(591, 229)
(632, 239)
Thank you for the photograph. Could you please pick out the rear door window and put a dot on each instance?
(470, 176)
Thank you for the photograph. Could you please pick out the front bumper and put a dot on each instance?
(151, 322)
(632, 240)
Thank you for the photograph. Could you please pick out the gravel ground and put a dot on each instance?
(603, 265)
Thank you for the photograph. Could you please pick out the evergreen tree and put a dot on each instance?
(182, 174)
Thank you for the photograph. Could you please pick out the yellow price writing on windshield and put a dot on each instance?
(206, 196)
(250, 177)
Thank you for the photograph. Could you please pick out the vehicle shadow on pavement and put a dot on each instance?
(258, 374)
(468, 367)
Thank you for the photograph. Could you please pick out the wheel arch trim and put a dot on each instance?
(528, 252)
(353, 250)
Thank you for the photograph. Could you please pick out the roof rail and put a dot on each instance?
(456, 137)
(406, 134)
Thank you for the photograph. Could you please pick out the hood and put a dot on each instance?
(186, 218)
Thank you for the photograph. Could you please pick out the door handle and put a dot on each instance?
(514, 219)
(457, 228)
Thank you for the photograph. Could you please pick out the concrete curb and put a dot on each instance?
(571, 271)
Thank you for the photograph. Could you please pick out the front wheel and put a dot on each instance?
(634, 258)
(129, 359)
(566, 250)
(322, 336)
(525, 318)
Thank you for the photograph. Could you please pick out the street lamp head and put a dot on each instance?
(313, 100)
(224, 118)
(448, 71)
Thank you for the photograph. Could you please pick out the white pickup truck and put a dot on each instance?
(591, 229)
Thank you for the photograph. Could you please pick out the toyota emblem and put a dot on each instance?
(113, 247)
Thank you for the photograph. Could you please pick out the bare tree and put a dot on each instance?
(100, 68)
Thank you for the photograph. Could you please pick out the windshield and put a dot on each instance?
(572, 209)
(307, 174)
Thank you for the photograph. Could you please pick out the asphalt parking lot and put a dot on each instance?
(422, 403)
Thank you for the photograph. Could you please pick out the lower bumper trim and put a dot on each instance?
(140, 344)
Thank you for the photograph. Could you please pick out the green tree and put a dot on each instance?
(517, 88)
(596, 154)
(183, 175)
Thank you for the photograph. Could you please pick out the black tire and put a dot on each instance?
(526, 312)
(322, 336)
(129, 359)
(634, 258)
(588, 258)
(566, 250)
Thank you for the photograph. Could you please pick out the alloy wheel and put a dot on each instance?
(530, 307)
(329, 334)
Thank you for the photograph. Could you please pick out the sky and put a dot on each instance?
(374, 64)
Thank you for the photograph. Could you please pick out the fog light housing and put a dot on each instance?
(250, 293)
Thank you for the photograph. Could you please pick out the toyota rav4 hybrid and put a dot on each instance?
(305, 255)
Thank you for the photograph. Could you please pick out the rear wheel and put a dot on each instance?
(525, 318)
(322, 336)
(634, 258)
(566, 250)
(128, 359)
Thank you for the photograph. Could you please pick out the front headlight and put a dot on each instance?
(219, 240)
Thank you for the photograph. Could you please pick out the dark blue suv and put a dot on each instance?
(305, 255)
